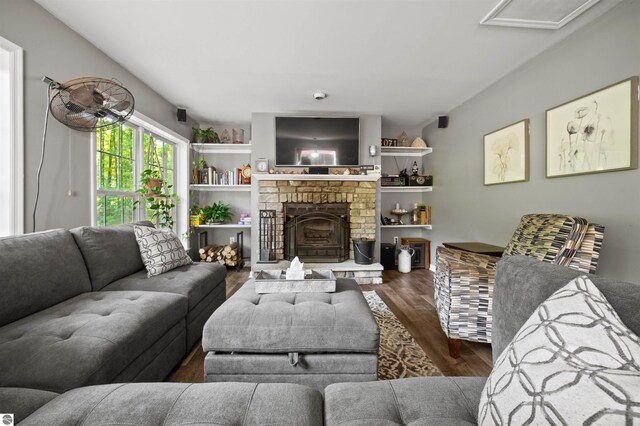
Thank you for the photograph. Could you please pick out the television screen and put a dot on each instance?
(317, 141)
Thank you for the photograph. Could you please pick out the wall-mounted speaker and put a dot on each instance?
(443, 122)
(182, 115)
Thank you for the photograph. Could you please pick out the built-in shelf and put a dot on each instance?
(360, 178)
(222, 188)
(406, 189)
(406, 226)
(222, 148)
(404, 151)
(226, 225)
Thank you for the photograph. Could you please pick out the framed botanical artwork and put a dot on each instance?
(506, 154)
(595, 133)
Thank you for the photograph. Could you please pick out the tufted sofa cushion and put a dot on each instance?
(110, 252)
(85, 340)
(37, 271)
(193, 281)
(293, 322)
(155, 404)
(22, 401)
(424, 401)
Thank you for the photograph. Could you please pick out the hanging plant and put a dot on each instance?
(158, 197)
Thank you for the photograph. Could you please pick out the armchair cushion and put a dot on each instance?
(548, 237)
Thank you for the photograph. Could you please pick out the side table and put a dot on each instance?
(480, 248)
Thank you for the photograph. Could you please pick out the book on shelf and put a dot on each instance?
(213, 176)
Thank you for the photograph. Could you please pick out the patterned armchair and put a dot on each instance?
(464, 281)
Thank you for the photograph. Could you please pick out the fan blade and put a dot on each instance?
(122, 105)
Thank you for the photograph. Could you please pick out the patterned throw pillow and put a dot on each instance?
(572, 363)
(160, 249)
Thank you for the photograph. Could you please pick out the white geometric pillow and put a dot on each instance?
(160, 249)
(572, 363)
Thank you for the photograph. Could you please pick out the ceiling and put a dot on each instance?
(409, 61)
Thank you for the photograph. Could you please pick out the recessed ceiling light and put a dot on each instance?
(318, 96)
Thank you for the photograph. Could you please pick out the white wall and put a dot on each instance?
(53, 49)
(603, 53)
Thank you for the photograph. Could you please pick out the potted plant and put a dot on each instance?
(195, 218)
(157, 197)
(152, 181)
(211, 136)
(199, 135)
(218, 212)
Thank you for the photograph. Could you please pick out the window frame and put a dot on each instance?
(13, 157)
(143, 124)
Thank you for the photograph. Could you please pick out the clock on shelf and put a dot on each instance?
(246, 174)
(262, 165)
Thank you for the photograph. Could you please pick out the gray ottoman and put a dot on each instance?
(313, 339)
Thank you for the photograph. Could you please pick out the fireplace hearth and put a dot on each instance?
(316, 232)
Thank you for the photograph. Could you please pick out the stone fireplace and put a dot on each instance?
(333, 212)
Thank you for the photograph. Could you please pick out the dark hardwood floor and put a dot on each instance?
(410, 298)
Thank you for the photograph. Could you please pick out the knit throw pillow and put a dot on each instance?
(572, 363)
(160, 249)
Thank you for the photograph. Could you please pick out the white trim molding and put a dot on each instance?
(15, 154)
(494, 17)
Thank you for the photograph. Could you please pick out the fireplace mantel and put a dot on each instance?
(357, 178)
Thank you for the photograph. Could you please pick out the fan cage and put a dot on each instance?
(91, 103)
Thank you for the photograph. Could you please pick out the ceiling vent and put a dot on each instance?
(539, 14)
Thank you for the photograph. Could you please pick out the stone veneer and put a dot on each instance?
(361, 196)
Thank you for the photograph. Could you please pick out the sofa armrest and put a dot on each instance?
(522, 283)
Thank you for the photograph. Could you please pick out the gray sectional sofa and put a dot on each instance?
(521, 285)
(77, 309)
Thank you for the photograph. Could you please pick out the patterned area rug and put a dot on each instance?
(399, 355)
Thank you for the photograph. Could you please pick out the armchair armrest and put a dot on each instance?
(464, 257)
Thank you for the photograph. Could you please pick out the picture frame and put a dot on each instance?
(594, 133)
(506, 154)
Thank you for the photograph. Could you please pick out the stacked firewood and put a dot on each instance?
(225, 255)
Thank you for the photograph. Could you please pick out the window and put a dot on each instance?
(122, 152)
(116, 175)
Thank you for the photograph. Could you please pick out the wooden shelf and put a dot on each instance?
(225, 225)
(221, 188)
(404, 151)
(361, 178)
(399, 189)
(222, 148)
(406, 226)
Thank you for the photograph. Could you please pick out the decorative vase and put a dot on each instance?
(404, 260)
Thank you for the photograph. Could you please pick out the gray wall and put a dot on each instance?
(605, 52)
(53, 49)
(263, 145)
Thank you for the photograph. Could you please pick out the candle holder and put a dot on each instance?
(399, 213)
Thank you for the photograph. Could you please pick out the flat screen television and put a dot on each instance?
(317, 141)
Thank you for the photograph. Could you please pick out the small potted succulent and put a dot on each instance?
(218, 212)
